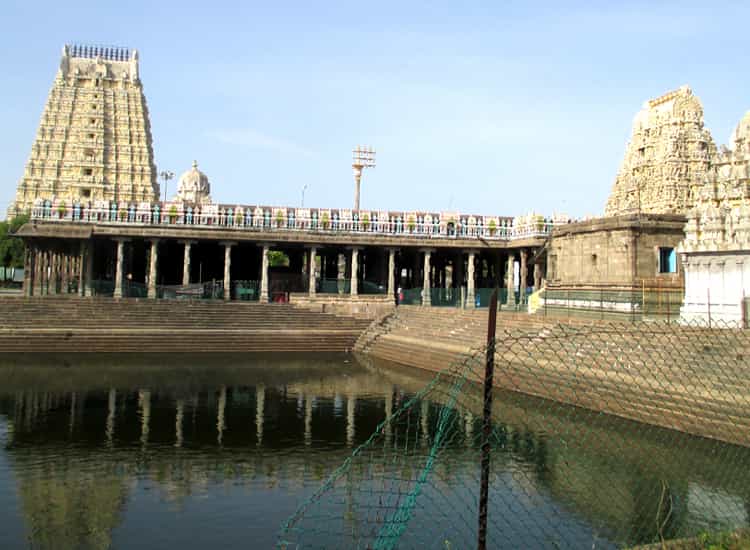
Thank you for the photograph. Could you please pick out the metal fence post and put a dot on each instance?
(487, 423)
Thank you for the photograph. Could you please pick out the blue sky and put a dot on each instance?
(488, 107)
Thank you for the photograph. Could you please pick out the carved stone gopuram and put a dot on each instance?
(94, 138)
(666, 160)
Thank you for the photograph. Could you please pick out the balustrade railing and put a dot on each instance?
(261, 218)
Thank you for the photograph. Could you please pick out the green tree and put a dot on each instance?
(276, 258)
(11, 247)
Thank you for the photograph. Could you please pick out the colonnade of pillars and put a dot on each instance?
(55, 269)
(50, 270)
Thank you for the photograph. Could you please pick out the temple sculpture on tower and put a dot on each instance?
(666, 160)
(94, 138)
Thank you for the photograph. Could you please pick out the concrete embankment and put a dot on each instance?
(82, 325)
(695, 380)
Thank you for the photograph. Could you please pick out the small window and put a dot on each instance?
(86, 193)
(92, 121)
(91, 136)
(667, 260)
(93, 106)
(87, 171)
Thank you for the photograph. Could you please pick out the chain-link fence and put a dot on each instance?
(603, 435)
(622, 305)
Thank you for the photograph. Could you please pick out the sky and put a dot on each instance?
(485, 107)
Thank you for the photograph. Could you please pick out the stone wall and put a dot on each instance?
(619, 251)
(363, 306)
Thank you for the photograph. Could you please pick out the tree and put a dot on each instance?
(276, 258)
(11, 247)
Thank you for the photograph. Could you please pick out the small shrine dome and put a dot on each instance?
(194, 186)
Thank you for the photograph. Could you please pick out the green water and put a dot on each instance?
(192, 451)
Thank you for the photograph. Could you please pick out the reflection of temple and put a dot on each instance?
(272, 424)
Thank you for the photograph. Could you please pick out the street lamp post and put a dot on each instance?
(166, 175)
(362, 157)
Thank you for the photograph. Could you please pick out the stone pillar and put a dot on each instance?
(511, 301)
(89, 268)
(186, 262)
(28, 270)
(64, 273)
(391, 271)
(54, 271)
(470, 290)
(311, 272)
(82, 268)
(523, 274)
(354, 286)
(228, 270)
(537, 275)
(38, 271)
(152, 268)
(119, 267)
(264, 275)
(426, 297)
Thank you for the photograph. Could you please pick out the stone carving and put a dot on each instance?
(193, 187)
(666, 160)
(720, 217)
(94, 138)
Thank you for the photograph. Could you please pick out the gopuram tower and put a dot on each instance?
(94, 138)
(667, 159)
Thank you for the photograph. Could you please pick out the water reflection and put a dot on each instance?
(105, 451)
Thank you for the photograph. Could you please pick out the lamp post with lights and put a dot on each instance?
(362, 157)
(166, 175)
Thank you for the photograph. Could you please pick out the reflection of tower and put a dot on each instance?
(362, 157)
(260, 404)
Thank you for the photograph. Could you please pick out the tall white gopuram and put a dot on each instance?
(94, 138)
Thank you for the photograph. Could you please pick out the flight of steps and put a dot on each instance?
(68, 324)
(695, 380)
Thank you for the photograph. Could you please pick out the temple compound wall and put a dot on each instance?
(716, 248)
(94, 138)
